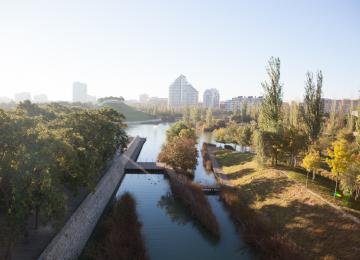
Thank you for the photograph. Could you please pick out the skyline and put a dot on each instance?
(117, 47)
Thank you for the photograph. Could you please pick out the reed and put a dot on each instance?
(257, 231)
(206, 157)
(119, 236)
(194, 199)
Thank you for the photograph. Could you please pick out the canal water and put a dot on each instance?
(168, 230)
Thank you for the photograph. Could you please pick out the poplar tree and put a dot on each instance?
(270, 113)
(313, 106)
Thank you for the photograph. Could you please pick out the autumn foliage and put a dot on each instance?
(180, 151)
(193, 198)
(257, 231)
(121, 231)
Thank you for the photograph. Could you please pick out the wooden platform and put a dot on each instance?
(159, 168)
(143, 167)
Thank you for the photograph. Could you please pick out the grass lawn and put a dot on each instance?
(130, 113)
(311, 223)
(325, 188)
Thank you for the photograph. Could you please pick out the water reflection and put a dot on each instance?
(168, 229)
(173, 209)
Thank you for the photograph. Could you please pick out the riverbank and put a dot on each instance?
(71, 239)
(292, 210)
(119, 234)
(149, 121)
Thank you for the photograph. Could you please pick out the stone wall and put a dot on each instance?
(71, 239)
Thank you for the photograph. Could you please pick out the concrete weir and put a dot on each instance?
(71, 239)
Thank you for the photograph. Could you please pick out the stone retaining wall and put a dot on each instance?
(71, 239)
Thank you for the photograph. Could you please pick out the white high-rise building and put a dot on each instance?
(80, 92)
(182, 94)
(211, 98)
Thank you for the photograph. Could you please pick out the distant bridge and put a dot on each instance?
(159, 168)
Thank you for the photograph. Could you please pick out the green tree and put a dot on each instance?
(175, 129)
(220, 135)
(209, 118)
(270, 113)
(195, 115)
(244, 136)
(313, 106)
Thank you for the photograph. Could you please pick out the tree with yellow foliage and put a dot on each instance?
(311, 163)
(340, 158)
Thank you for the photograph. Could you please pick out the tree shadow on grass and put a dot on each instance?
(264, 188)
(238, 174)
(234, 158)
(317, 228)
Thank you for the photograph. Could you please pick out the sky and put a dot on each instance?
(125, 48)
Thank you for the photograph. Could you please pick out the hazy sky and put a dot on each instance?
(132, 47)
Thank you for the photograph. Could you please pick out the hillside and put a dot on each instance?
(130, 113)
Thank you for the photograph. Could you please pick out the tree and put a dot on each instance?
(186, 116)
(311, 163)
(244, 135)
(209, 118)
(270, 113)
(293, 141)
(294, 117)
(339, 159)
(181, 154)
(313, 106)
(220, 135)
(195, 115)
(244, 108)
(175, 130)
(350, 179)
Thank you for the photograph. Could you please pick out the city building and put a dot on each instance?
(182, 94)
(340, 105)
(158, 100)
(144, 98)
(41, 98)
(236, 103)
(91, 99)
(80, 92)
(211, 98)
(19, 97)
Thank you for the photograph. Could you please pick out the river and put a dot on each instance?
(169, 232)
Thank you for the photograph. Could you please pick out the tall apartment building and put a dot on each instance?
(80, 92)
(182, 94)
(236, 103)
(211, 98)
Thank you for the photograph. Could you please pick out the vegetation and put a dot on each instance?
(206, 157)
(193, 198)
(130, 113)
(119, 235)
(313, 106)
(311, 163)
(272, 202)
(49, 153)
(180, 151)
(257, 231)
